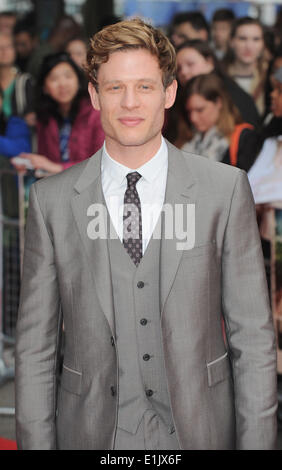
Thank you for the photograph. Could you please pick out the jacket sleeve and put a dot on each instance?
(249, 324)
(37, 337)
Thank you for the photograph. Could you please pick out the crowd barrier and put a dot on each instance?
(14, 189)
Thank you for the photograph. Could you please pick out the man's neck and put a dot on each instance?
(244, 69)
(133, 156)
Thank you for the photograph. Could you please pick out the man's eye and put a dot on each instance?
(113, 88)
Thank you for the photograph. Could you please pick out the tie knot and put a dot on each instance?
(133, 178)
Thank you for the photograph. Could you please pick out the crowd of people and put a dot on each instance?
(229, 101)
(228, 104)
(224, 114)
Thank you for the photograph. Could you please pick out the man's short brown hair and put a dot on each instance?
(126, 35)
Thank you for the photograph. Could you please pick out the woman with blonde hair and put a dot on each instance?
(219, 131)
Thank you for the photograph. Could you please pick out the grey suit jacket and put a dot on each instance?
(222, 393)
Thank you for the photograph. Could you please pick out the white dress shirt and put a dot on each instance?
(151, 189)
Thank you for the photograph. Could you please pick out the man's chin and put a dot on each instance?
(135, 141)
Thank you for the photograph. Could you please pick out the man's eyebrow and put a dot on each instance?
(108, 82)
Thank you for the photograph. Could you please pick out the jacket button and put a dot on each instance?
(149, 393)
(143, 321)
(113, 391)
(146, 357)
(140, 284)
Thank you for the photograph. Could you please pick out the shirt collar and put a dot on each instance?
(149, 171)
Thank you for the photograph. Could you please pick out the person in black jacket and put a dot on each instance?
(219, 131)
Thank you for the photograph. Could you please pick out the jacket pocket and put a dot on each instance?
(200, 250)
(218, 370)
(71, 380)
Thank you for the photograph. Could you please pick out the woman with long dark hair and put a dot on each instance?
(68, 128)
(246, 64)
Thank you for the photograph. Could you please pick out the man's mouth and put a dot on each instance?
(130, 121)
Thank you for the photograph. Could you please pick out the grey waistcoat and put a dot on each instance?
(138, 336)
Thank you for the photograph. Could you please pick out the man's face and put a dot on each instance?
(131, 98)
(186, 29)
(248, 43)
(24, 44)
(221, 33)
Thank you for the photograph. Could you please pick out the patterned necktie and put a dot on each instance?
(132, 219)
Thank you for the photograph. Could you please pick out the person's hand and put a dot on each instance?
(42, 163)
(30, 119)
(18, 166)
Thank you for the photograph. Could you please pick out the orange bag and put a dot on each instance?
(234, 141)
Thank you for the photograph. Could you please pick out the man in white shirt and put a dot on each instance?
(151, 189)
(144, 252)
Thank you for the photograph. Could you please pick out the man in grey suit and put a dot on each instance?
(169, 340)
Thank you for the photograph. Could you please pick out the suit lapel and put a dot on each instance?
(181, 188)
(89, 189)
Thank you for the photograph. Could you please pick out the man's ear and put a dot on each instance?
(94, 96)
(170, 94)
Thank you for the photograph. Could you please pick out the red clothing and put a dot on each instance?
(86, 137)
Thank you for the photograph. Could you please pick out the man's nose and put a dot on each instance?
(130, 99)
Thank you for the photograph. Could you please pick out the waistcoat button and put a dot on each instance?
(149, 393)
(146, 357)
(143, 321)
(140, 284)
